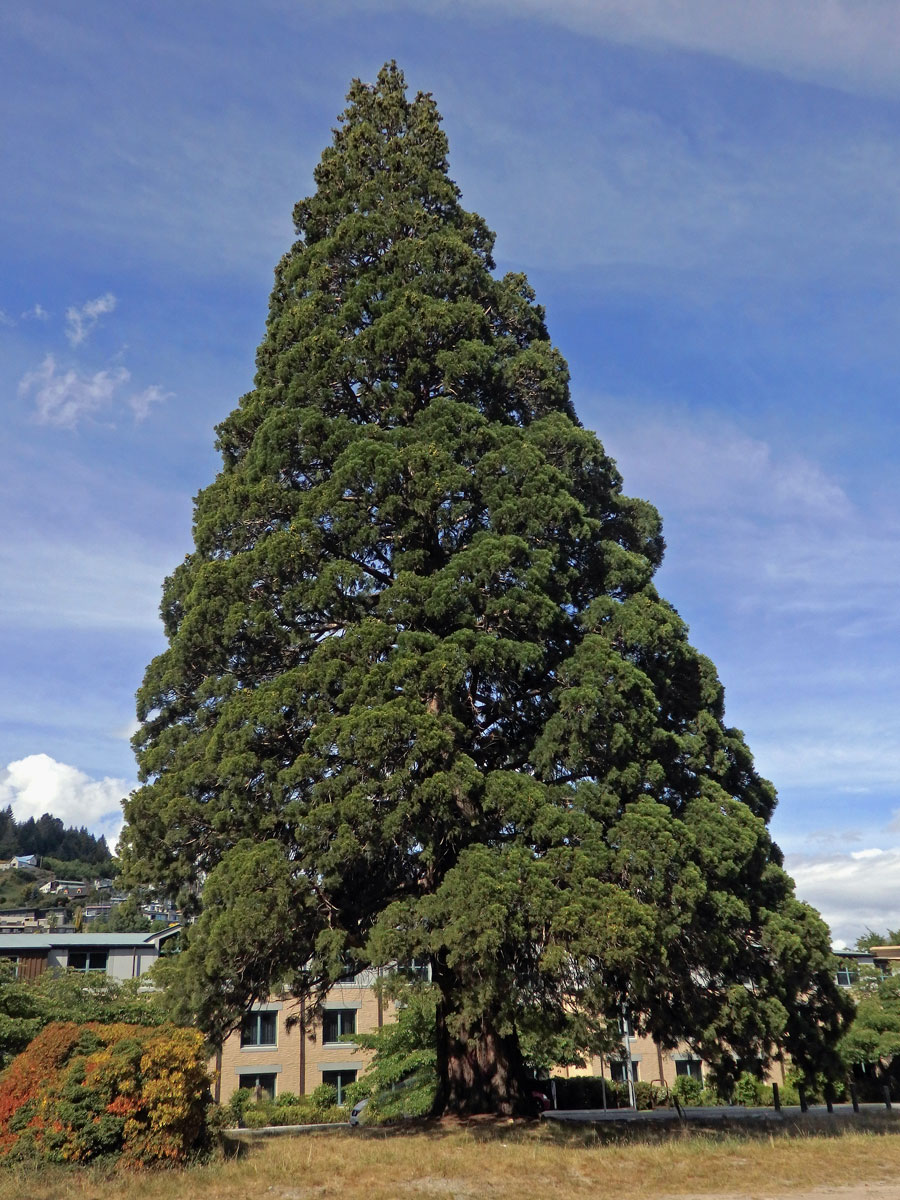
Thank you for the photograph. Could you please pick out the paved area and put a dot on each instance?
(706, 1116)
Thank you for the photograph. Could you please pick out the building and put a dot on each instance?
(280, 1047)
(119, 955)
(70, 888)
(19, 862)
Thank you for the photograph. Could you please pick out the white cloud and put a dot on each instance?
(37, 312)
(772, 526)
(81, 321)
(5, 319)
(853, 892)
(852, 44)
(38, 784)
(795, 584)
(140, 403)
(65, 397)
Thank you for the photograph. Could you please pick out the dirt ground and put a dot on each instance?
(855, 1191)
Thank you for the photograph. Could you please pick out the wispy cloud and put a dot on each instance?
(38, 784)
(81, 321)
(851, 44)
(772, 525)
(64, 398)
(37, 312)
(140, 403)
(64, 585)
(853, 892)
(795, 584)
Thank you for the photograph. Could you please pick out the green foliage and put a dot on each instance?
(237, 1106)
(870, 938)
(710, 1097)
(647, 1095)
(874, 1036)
(748, 1090)
(421, 700)
(81, 1093)
(318, 1108)
(26, 1007)
(402, 1078)
(688, 1091)
(123, 918)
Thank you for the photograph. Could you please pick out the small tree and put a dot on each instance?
(421, 699)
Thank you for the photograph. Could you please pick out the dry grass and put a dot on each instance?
(501, 1162)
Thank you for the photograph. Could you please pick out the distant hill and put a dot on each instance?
(47, 837)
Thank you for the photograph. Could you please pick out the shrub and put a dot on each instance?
(647, 1095)
(324, 1096)
(587, 1091)
(748, 1090)
(79, 1093)
(292, 1114)
(688, 1091)
(237, 1106)
(256, 1118)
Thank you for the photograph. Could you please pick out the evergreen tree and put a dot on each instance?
(421, 700)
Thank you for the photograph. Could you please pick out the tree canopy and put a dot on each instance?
(47, 836)
(421, 700)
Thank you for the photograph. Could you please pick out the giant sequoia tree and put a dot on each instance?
(421, 699)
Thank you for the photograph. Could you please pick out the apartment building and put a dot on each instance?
(281, 1047)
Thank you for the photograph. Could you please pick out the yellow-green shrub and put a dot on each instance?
(82, 1092)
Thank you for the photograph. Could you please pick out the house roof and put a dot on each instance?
(10, 943)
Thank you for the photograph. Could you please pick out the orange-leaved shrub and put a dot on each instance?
(81, 1092)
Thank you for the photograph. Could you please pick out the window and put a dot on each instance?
(847, 976)
(265, 1083)
(618, 1070)
(259, 1029)
(689, 1066)
(338, 1023)
(339, 1080)
(87, 960)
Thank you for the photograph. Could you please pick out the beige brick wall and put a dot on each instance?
(300, 1056)
(653, 1064)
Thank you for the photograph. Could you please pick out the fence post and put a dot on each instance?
(801, 1092)
(854, 1097)
(886, 1090)
(776, 1099)
(829, 1097)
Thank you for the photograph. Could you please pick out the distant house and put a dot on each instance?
(885, 959)
(18, 861)
(158, 910)
(119, 955)
(70, 888)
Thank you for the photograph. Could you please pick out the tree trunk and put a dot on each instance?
(480, 1070)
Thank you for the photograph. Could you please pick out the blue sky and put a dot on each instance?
(706, 198)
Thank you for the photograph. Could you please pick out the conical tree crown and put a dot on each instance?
(421, 699)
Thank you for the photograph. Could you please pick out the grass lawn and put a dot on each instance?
(493, 1159)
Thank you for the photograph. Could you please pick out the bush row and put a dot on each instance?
(320, 1107)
